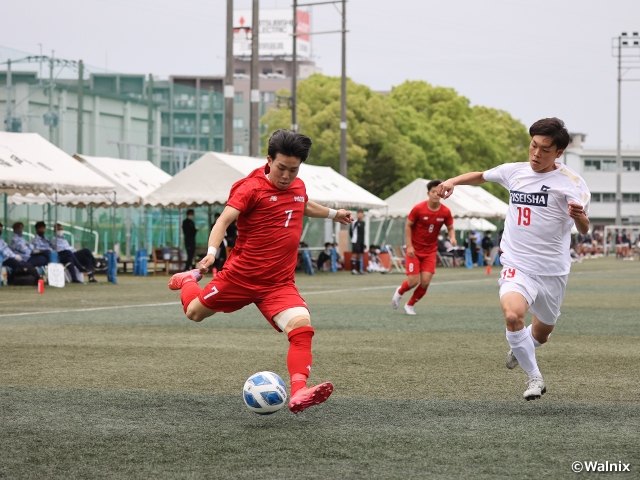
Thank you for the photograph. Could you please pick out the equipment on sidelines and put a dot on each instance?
(264, 393)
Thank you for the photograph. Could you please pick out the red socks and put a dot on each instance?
(404, 288)
(299, 357)
(417, 295)
(189, 291)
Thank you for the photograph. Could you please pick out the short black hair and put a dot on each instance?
(190, 211)
(554, 128)
(360, 210)
(433, 184)
(290, 144)
(18, 225)
(40, 224)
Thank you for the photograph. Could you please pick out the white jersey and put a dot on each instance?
(537, 230)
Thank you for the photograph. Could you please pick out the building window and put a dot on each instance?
(631, 165)
(238, 97)
(591, 165)
(608, 165)
(631, 197)
(595, 198)
(238, 123)
(238, 149)
(268, 97)
(608, 198)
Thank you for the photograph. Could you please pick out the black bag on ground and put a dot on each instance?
(24, 275)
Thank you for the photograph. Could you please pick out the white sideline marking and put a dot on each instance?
(392, 286)
(46, 312)
(94, 309)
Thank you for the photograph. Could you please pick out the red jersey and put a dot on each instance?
(269, 230)
(426, 227)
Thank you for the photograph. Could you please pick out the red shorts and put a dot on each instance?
(421, 263)
(222, 295)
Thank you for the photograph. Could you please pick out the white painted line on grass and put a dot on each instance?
(363, 289)
(88, 309)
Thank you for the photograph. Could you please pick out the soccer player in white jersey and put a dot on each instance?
(546, 199)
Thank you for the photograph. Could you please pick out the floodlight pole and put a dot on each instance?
(254, 120)
(294, 73)
(51, 87)
(229, 92)
(9, 119)
(618, 141)
(343, 95)
(79, 146)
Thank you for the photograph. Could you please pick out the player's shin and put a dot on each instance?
(418, 293)
(299, 357)
(188, 293)
(521, 344)
(404, 288)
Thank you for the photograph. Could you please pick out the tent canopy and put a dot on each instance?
(463, 203)
(208, 180)
(474, 224)
(132, 179)
(30, 164)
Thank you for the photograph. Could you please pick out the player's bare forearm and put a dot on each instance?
(315, 210)
(445, 189)
(576, 211)
(407, 235)
(452, 235)
(228, 215)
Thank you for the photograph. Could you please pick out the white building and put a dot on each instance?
(598, 168)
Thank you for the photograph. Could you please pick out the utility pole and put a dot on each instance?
(229, 92)
(254, 121)
(9, 120)
(343, 95)
(210, 124)
(51, 87)
(619, 139)
(294, 72)
(150, 117)
(79, 146)
(629, 48)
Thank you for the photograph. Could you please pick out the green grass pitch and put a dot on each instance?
(112, 381)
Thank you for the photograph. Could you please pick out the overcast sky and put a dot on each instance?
(532, 59)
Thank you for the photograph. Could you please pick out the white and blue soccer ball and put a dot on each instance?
(264, 393)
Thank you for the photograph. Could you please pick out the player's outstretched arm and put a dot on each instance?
(445, 189)
(315, 210)
(228, 215)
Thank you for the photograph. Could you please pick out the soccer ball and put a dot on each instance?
(264, 393)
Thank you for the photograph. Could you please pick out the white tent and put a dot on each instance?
(463, 203)
(30, 164)
(208, 180)
(133, 180)
(486, 198)
(474, 224)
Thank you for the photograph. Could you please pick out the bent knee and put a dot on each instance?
(514, 320)
(298, 322)
(192, 314)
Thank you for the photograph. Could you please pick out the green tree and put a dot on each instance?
(418, 130)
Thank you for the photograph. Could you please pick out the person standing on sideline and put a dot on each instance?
(546, 200)
(423, 226)
(189, 230)
(269, 205)
(356, 230)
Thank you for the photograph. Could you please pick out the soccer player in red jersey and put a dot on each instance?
(268, 205)
(422, 230)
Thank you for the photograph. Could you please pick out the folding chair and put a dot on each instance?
(396, 260)
(446, 259)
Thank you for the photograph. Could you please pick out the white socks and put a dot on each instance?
(522, 346)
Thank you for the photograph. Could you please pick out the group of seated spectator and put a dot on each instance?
(625, 245)
(21, 254)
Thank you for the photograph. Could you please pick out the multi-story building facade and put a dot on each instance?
(598, 168)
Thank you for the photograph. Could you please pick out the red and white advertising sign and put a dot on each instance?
(275, 34)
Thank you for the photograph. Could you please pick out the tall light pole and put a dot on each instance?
(229, 92)
(294, 70)
(624, 47)
(254, 119)
(343, 95)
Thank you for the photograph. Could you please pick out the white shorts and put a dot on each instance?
(543, 293)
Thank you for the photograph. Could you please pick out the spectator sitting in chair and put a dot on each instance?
(487, 244)
(324, 257)
(14, 260)
(82, 259)
(20, 246)
(42, 245)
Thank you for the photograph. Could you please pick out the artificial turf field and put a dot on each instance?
(112, 381)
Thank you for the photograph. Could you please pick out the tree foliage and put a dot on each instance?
(418, 130)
